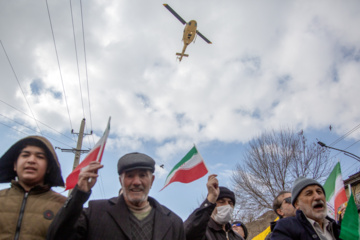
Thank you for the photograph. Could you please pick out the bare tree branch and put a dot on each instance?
(270, 164)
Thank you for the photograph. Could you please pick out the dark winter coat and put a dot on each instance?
(299, 228)
(200, 225)
(272, 226)
(109, 219)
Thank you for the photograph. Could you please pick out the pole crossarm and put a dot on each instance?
(345, 152)
(73, 150)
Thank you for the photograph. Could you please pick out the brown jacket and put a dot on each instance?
(27, 214)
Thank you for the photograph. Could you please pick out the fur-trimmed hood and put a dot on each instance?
(53, 176)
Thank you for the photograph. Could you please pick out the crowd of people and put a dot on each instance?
(29, 209)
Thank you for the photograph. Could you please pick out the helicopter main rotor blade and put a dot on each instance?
(203, 37)
(174, 13)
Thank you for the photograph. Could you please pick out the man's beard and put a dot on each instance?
(317, 216)
(134, 200)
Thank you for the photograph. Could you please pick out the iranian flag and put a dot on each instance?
(190, 168)
(335, 192)
(350, 225)
(94, 155)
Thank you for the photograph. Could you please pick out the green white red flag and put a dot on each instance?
(94, 155)
(335, 192)
(350, 225)
(190, 168)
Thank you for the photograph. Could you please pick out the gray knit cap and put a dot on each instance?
(301, 183)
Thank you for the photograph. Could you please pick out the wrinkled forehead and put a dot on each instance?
(137, 171)
(310, 189)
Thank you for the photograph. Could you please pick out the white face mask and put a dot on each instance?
(224, 214)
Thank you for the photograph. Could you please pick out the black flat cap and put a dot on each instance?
(135, 160)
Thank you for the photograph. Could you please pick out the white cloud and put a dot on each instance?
(271, 63)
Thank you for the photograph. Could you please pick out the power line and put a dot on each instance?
(77, 60)
(86, 71)
(35, 131)
(347, 147)
(350, 170)
(19, 123)
(34, 119)
(345, 135)
(20, 87)
(57, 57)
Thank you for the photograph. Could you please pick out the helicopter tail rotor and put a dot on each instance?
(182, 54)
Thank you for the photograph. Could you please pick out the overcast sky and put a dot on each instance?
(272, 64)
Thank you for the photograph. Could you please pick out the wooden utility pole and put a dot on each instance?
(78, 151)
(79, 144)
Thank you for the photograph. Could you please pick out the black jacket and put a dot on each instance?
(272, 226)
(109, 219)
(299, 228)
(200, 225)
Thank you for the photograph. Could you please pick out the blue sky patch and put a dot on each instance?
(36, 86)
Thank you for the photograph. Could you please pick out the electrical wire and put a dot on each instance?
(77, 60)
(32, 113)
(35, 131)
(78, 69)
(35, 119)
(58, 62)
(88, 88)
(344, 136)
(350, 170)
(86, 68)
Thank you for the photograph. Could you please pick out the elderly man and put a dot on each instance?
(131, 215)
(282, 207)
(211, 221)
(28, 207)
(310, 222)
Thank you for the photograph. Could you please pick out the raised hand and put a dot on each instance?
(213, 188)
(88, 176)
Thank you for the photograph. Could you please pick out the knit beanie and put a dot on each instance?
(226, 193)
(301, 183)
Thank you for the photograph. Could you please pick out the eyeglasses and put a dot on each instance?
(237, 224)
(287, 200)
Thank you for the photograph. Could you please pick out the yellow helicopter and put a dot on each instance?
(189, 32)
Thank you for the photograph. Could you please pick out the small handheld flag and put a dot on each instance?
(335, 192)
(190, 168)
(94, 155)
(350, 225)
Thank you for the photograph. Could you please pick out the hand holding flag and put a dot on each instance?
(94, 155)
(88, 176)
